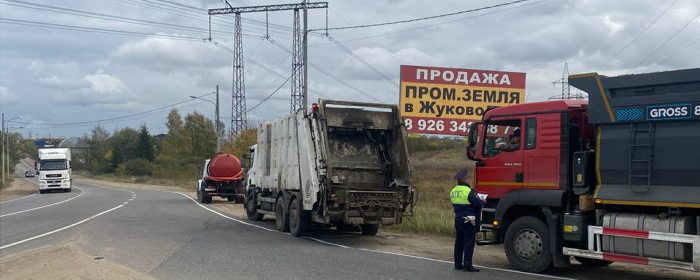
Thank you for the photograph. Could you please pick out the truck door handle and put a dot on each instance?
(519, 177)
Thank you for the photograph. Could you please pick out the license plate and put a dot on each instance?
(209, 189)
(54, 186)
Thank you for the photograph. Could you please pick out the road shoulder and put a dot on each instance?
(64, 261)
(19, 188)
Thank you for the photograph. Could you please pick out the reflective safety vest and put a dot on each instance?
(460, 195)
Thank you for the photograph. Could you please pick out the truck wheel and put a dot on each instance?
(251, 207)
(69, 189)
(281, 220)
(593, 262)
(527, 245)
(42, 191)
(370, 229)
(230, 198)
(207, 199)
(298, 220)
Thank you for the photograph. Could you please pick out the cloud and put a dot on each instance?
(105, 84)
(167, 55)
(6, 96)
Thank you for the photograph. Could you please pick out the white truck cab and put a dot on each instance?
(54, 169)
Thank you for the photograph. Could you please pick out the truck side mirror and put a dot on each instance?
(244, 162)
(472, 139)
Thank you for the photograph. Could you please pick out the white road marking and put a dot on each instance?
(369, 250)
(222, 215)
(18, 198)
(61, 229)
(49, 205)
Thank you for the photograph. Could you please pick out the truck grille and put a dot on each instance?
(53, 175)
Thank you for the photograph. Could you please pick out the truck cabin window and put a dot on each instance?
(53, 165)
(502, 136)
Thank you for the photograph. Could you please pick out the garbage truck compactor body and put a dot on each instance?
(616, 178)
(340, 164)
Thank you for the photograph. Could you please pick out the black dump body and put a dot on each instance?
(648, 136)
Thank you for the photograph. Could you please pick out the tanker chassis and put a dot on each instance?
(340, 164)
(221, 176)
(613, 179)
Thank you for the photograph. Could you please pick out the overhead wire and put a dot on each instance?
(95, 30)
(121, 117)
(331, 75)
(365, 63)
(426, 18)
(638, 35)
(269, 96)
(432, 25)
(665, 42)
(102, 16)
(672, 55)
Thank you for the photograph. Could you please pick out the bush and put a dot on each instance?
(139, 167)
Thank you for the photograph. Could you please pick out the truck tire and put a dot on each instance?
(527, 244)
(251, 207)
(42, 191)
(230, 198)
(69, 189)
(370, 229)
(298, 220)
(281, 220)
(593, 262)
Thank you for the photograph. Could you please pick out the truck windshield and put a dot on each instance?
(52, 165)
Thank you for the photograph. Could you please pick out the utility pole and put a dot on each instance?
(218, 126)
(4, 154)
(306, 57)
(299, 54)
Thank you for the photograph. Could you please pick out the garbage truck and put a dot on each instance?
(342, 164)
(612, 179)
(54, 169)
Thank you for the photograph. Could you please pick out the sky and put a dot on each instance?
(73, 78)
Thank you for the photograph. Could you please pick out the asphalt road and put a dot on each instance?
(170, 236)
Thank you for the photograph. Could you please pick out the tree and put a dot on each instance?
(176, 143)
(124, 145)
(241, 144)
(144, 148)
(202, 135)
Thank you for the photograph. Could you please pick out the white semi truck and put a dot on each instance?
(341, 164)
(54, 170)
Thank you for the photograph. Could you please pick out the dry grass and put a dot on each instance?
(432, 176)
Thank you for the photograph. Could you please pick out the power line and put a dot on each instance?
(94, 30)
(331, 75)
(433, 25)
(359, 59)
(664, 44)
(120, 117)
(673, 55)
(426, 18)
(88, 14)
(271, 94)
(637, 37)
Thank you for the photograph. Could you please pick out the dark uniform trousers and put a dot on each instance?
(464, 243)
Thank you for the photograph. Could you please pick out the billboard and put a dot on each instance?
(438, 100)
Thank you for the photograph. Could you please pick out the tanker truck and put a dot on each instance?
(221, 176)
(340, 164)
(612, 179)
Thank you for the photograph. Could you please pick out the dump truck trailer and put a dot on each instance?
(339, 164)
(615, 178)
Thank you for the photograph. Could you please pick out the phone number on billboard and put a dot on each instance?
(442, 126)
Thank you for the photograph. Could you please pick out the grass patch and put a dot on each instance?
(432, 176)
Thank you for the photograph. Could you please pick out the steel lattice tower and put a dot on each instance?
(565, 87)
(238, 108)
(297, 66)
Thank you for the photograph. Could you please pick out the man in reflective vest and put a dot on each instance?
(467, 206)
